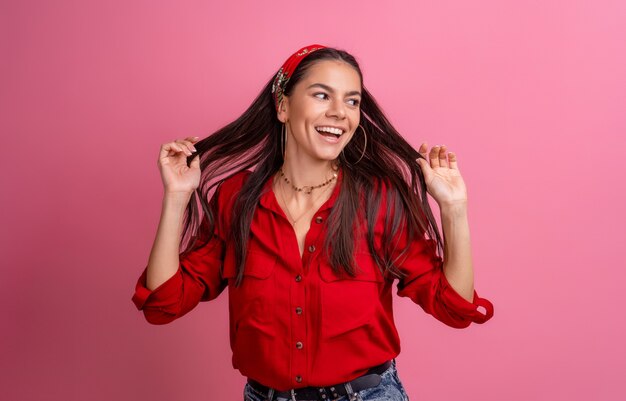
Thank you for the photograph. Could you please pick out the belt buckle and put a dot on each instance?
(334, 391)
(292, 392)
(323, 394)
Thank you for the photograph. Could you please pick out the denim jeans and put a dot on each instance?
(389, 389)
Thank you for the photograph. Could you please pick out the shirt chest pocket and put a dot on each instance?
(349, 304)
(253, 302)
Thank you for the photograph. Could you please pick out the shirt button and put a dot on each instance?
(311, 248)
(298, 378)
(319, 219)
(299, 345)
(298, 277)
(299, 310)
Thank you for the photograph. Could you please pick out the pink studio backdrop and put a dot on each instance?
(530, 95)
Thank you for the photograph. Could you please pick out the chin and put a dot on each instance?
(327, 156)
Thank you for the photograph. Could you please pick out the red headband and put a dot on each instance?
(289, 66)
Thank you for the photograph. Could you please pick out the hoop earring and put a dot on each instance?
(283, 141)
(362, 153)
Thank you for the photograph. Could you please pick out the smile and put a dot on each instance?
(329, 131)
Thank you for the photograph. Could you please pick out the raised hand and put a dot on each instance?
(176, 176)
(443, 178)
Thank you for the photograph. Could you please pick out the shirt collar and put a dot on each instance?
(269, 201)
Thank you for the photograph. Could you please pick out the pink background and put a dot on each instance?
(531, 95)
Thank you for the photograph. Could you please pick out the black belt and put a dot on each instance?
(369, 379)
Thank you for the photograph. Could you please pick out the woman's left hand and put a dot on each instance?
(443, 178)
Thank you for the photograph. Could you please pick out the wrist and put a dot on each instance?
(176, 197)
(454, 208)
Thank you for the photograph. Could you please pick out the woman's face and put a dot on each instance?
(328, 95)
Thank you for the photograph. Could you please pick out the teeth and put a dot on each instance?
(335, 131)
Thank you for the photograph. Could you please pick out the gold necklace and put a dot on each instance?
(294, 221)
(307, 188)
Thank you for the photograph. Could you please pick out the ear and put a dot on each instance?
(283, 110)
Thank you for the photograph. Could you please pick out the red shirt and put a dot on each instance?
(293, 322)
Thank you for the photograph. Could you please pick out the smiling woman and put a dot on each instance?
(321, 113)
(308, 207)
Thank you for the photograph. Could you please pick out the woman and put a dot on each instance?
(307, 208)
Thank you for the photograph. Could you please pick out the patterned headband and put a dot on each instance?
(285, 72)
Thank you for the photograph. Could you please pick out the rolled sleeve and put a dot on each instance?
(426, 285)
(161, 296)
(162, 304)
(197, 279)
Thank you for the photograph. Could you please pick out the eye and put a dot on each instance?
(355, 103)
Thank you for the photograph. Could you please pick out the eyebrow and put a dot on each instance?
(328, 88)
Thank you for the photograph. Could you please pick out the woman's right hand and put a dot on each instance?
(176, 176)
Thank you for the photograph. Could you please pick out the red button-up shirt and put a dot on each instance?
(293, 322)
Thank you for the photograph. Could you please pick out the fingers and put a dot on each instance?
(443, 159)
(178, 146)
(438, 156)
(169, 149)
(453, 163)
(422, 150)
(186, 145)
(193, 138)
(195, 162)
(434, 156)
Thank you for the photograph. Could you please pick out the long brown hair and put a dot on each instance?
(252, 142)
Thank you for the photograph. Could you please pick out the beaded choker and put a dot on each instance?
(307, 188)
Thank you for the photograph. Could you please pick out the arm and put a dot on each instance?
(445, 288)
(426, 284)
(173, 284)
(163, 260)
(193, 277)
(457, 264)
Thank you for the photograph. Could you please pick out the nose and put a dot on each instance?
(337, 109)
